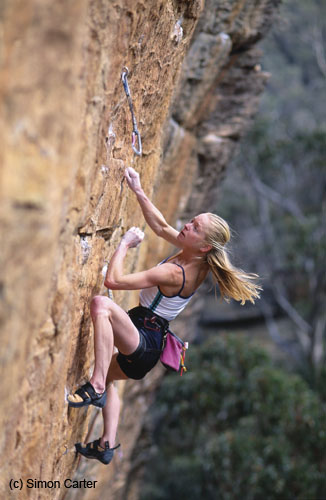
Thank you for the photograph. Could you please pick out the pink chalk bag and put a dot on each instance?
(173, 352)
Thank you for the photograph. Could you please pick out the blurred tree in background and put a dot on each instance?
(235, 427)
(274, 194)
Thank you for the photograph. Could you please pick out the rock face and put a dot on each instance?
(66, 140)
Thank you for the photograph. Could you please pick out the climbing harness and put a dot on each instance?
(135, 132)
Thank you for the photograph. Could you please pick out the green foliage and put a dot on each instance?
(236, 427)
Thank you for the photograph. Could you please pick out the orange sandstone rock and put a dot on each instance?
(64, 204)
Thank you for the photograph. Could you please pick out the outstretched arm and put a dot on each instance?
(166, 274)
(152, 215)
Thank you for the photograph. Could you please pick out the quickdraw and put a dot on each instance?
(182, 361)
(135, 132)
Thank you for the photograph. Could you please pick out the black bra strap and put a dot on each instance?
(184, 277)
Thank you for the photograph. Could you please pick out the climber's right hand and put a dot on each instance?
(133, 237)
(133, 179)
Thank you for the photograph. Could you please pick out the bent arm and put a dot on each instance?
(152, 215)
(166, 274)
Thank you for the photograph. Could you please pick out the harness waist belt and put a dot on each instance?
(144, 312)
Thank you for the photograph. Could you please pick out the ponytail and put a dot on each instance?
(233, 283)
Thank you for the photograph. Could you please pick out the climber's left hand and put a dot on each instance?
(133, 237)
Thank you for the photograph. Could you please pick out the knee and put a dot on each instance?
(100, 305)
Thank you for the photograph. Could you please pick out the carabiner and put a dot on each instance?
(124, 74)
(135, 132)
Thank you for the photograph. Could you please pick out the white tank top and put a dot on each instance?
(168, 307)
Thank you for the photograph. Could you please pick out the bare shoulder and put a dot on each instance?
(195, 277)
(171, 267)
(175, 272)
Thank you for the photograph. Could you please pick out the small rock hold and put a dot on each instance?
(104, 169)
(86, 249)
(177, 34)
(109, 142)
(225, 38)
(211, 139)
(96, 99)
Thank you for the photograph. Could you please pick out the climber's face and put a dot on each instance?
(193, 235)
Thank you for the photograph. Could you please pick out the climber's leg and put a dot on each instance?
(112, 409)
(103, 449)
(112, 326)
(111, 417)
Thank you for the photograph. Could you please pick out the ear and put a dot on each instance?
(206, 249)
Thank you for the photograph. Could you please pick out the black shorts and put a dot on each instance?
(151, 330)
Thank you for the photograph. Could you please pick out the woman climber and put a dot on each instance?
(165, 291)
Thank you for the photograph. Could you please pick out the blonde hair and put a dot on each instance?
(233, 282)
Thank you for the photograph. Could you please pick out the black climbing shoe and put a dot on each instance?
(94, 450)
(89, 396)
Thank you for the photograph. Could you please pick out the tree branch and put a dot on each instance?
(269, 193)
(303, 329)
(319, 49)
